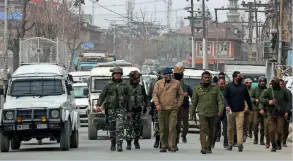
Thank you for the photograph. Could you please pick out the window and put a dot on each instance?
(86, 68)
(78, 91)
(36, 87)
(99, 84)
(222, 48)
(209, 46)
(192, 82)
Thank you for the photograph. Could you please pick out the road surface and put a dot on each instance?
(99, 150)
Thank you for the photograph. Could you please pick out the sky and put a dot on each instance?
(156, 9)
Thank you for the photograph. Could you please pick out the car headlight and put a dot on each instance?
(55, 113)
(9, 115)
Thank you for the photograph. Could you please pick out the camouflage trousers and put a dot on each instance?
(116, 119)
(133, 126)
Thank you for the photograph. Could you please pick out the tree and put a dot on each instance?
(18, 31)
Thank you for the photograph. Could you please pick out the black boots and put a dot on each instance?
(119, 146)
(274, 148)
(136, 144)
(240, 148)
(157, 141)
(262, 136)
(209, 150)
(279, 145)
(255, 138)
(203, 151)
(113, 145)
(128, 146)
(184, 140)
(230, 147)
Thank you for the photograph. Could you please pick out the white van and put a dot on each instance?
(82, 102)
(99, 77)
(39, 104)
(80, 77)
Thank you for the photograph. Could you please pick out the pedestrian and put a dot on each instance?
(168, 98)
(183, 112)
(277, 100)
(221, 119)
(258, 119)
(138, 104)
(248, 116)
(287, 120)
(153, 111)
(115, 95)
(208, 100)
(235, 95)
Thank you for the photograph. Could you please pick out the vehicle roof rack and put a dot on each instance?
(22, 64)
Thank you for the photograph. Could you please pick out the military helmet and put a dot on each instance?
(117, 70)
(262, 78)
(134, 74)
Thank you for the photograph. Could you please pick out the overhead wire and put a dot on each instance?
(123, 5)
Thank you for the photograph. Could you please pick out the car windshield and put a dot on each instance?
(192, 82)
(80, 79)
(36, 87)
(78, 91)
(99, 84)
(86, 68)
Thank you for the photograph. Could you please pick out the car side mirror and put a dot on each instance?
(86, 91)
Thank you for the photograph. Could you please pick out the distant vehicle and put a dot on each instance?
(39, 104)
(87, 66)
(81, 102)
(80, 77)
(147, 80)
(99, 77)
(114, 64)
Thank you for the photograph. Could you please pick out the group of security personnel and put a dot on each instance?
(124, 102)
(234, 103)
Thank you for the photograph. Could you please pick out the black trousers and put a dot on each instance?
(221, 119)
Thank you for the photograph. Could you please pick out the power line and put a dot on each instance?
(123, 5)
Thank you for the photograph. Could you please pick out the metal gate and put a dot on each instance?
(42, 50)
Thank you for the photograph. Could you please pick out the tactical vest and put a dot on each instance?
(117, 95)
(136, 96)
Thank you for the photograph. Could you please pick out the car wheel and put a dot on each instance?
(5, 143)
(65, 137)
(74, 139)
(92, 129)
(15, 144)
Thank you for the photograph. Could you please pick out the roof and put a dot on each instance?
(39, 69)
(88, 64)
(79, 84)
(193, 72)
(105, 71)
(113, 64)
(74, 74)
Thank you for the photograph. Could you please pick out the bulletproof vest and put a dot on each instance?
(117, 94)
(136, 96)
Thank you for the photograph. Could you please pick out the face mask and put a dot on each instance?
(178, 76)
(275, 85)
(240, 80)
(222, 88)
(168, 77)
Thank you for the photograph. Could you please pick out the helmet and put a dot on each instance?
(117, 70)
(134, 75)
(262, 78)
(167, 70)
(160, 71)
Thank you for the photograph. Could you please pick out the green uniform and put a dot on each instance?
(115, 95)
(275, 112)
(258, 119)
(209, 102)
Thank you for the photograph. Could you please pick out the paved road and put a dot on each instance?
(99, 149)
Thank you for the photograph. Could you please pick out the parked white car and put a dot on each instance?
(82, 102)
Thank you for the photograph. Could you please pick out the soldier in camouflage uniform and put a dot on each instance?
(153, 111)
(116, 96)
(138, 102)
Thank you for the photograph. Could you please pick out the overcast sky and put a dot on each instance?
(154, 8)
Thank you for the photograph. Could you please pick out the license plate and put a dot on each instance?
(42, 126)
(82, 112)
(23, 127)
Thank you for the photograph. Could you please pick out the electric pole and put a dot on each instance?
(191, 18)
(204, 45)
(5, 45)
(256, 26)
(130, 18)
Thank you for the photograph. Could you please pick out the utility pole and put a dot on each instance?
(191, 18)
(280, 28)
(256, 26)
(5, 45)
(130, 17)
(250, 32)
(204, 45)
(93, 12)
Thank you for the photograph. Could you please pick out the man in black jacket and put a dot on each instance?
(235, 95)
(221, 119)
